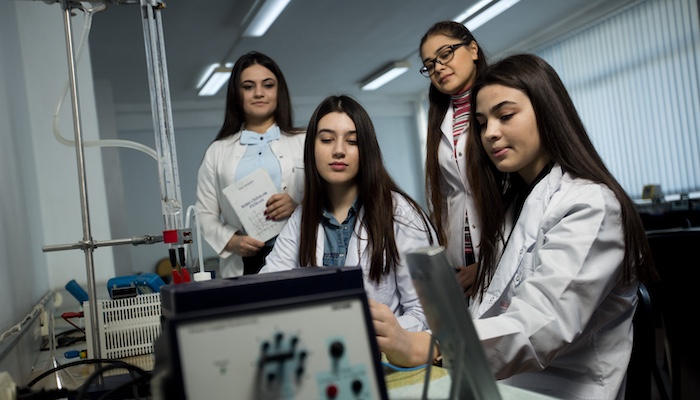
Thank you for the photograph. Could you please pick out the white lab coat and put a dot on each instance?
(396, 290)
(556, 318)
(457, 193)
(218, 170)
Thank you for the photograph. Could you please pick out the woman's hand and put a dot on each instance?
(466, 276)
(244, 245)
(402, 348)
(280, 206)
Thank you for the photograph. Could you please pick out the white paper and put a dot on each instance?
(248, 197)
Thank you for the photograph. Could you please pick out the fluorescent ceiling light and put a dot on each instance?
(264, 17)
(216, 76)
(387, 74)
(483, 12)
(461, 18)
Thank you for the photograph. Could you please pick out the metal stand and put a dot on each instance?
(169, 178)
(86, 243)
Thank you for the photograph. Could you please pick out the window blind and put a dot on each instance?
(634, 79)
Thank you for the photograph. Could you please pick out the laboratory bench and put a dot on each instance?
(400, 384)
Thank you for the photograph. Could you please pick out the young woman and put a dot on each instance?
(257, 133)
(562, 245)
(452, 59)
(354, 214)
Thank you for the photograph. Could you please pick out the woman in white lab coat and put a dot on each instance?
(354, 214)
(257, 133)
(452, 59)
(562, 247)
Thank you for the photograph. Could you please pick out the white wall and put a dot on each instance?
(21, 262)
(44, 57)
(39, 200)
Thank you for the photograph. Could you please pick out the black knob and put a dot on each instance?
(278, 339)
(356, 386)
(337, 349)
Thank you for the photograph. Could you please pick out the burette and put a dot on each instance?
(171, 200)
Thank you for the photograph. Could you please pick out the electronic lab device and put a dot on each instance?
(304, 334)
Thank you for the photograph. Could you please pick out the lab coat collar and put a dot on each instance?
(446, 126)
(521, 238)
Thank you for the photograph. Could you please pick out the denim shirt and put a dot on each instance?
(337, 236)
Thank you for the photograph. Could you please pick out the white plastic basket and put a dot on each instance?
(127, 327)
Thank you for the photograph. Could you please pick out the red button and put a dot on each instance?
(331, 391)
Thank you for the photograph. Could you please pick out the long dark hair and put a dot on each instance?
(375, 187)
(564, 138)
(439, 102)
(234, 117)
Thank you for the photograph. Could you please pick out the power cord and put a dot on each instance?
(53, 394)
(138, 375)
(64, 339)
(82, 391)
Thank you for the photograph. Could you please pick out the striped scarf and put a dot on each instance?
(460, 124)
(460, 117)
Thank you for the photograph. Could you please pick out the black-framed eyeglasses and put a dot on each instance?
(444, 56)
